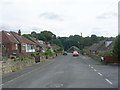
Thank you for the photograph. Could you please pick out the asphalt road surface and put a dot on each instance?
(64, 72)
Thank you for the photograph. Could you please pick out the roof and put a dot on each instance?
(22, 39)
(54, 46)
(101, 46)
(7, 37)
(104, 47)
(73, 48)
(35, 41)
(94, 47)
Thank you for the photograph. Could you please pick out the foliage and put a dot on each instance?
(59, 50)
(48, 35)
(37, 53)
(41, 37)
(116, 47)
(94, 39)
(23, 58)
(34, 34)
(66, 42)
(48, 52)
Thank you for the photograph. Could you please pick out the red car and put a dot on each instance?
(75, 53)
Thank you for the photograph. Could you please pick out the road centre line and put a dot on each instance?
(91, 67)
(95, 70)
(100, 74)
(108, 81)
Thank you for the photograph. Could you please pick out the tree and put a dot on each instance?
(87, 41)
(116, 47)
(48, 35)
(41, 37)
(94, 38)
(57, 42)
(34, 34)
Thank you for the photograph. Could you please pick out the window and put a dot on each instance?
(32, 46)
(16, 46)
(23, 47)
(28, 47)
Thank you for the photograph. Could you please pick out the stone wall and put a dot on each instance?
(12, 66)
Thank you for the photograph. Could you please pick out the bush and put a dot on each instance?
(37, 53)
(59, 50)
(48, 52)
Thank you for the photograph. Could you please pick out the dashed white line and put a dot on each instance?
(91, 67)
(100, 74)
(108, 81)
(95, 70)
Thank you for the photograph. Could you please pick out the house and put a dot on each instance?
(93, 48)
(14, 43)
(106, 46)
(8, 43)
(25, 45)
(102, 46)
(39, 44)
(73, 48)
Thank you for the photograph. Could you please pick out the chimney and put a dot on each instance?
(19, 32)
(81, 34)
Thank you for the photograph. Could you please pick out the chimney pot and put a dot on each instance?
(19, 32)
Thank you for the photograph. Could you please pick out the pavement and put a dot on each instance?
(64, 72)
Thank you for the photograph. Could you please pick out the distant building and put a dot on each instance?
(73, 48)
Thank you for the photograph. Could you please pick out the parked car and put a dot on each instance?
(75, 53)
(65, 53)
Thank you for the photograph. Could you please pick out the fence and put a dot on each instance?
(110, 59)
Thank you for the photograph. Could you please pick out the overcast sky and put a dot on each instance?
(62, 17)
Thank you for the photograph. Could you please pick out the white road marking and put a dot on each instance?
(91, 67)
(95, 70)
(108, 81)
(24, 75)
(100, 74)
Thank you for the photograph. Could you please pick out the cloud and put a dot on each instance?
(107, 15)
(8, 27)
(51, 16)
(97, 28)
(7, 2)
(36, 29)
(99, 32)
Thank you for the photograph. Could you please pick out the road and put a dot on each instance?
(64, 72)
